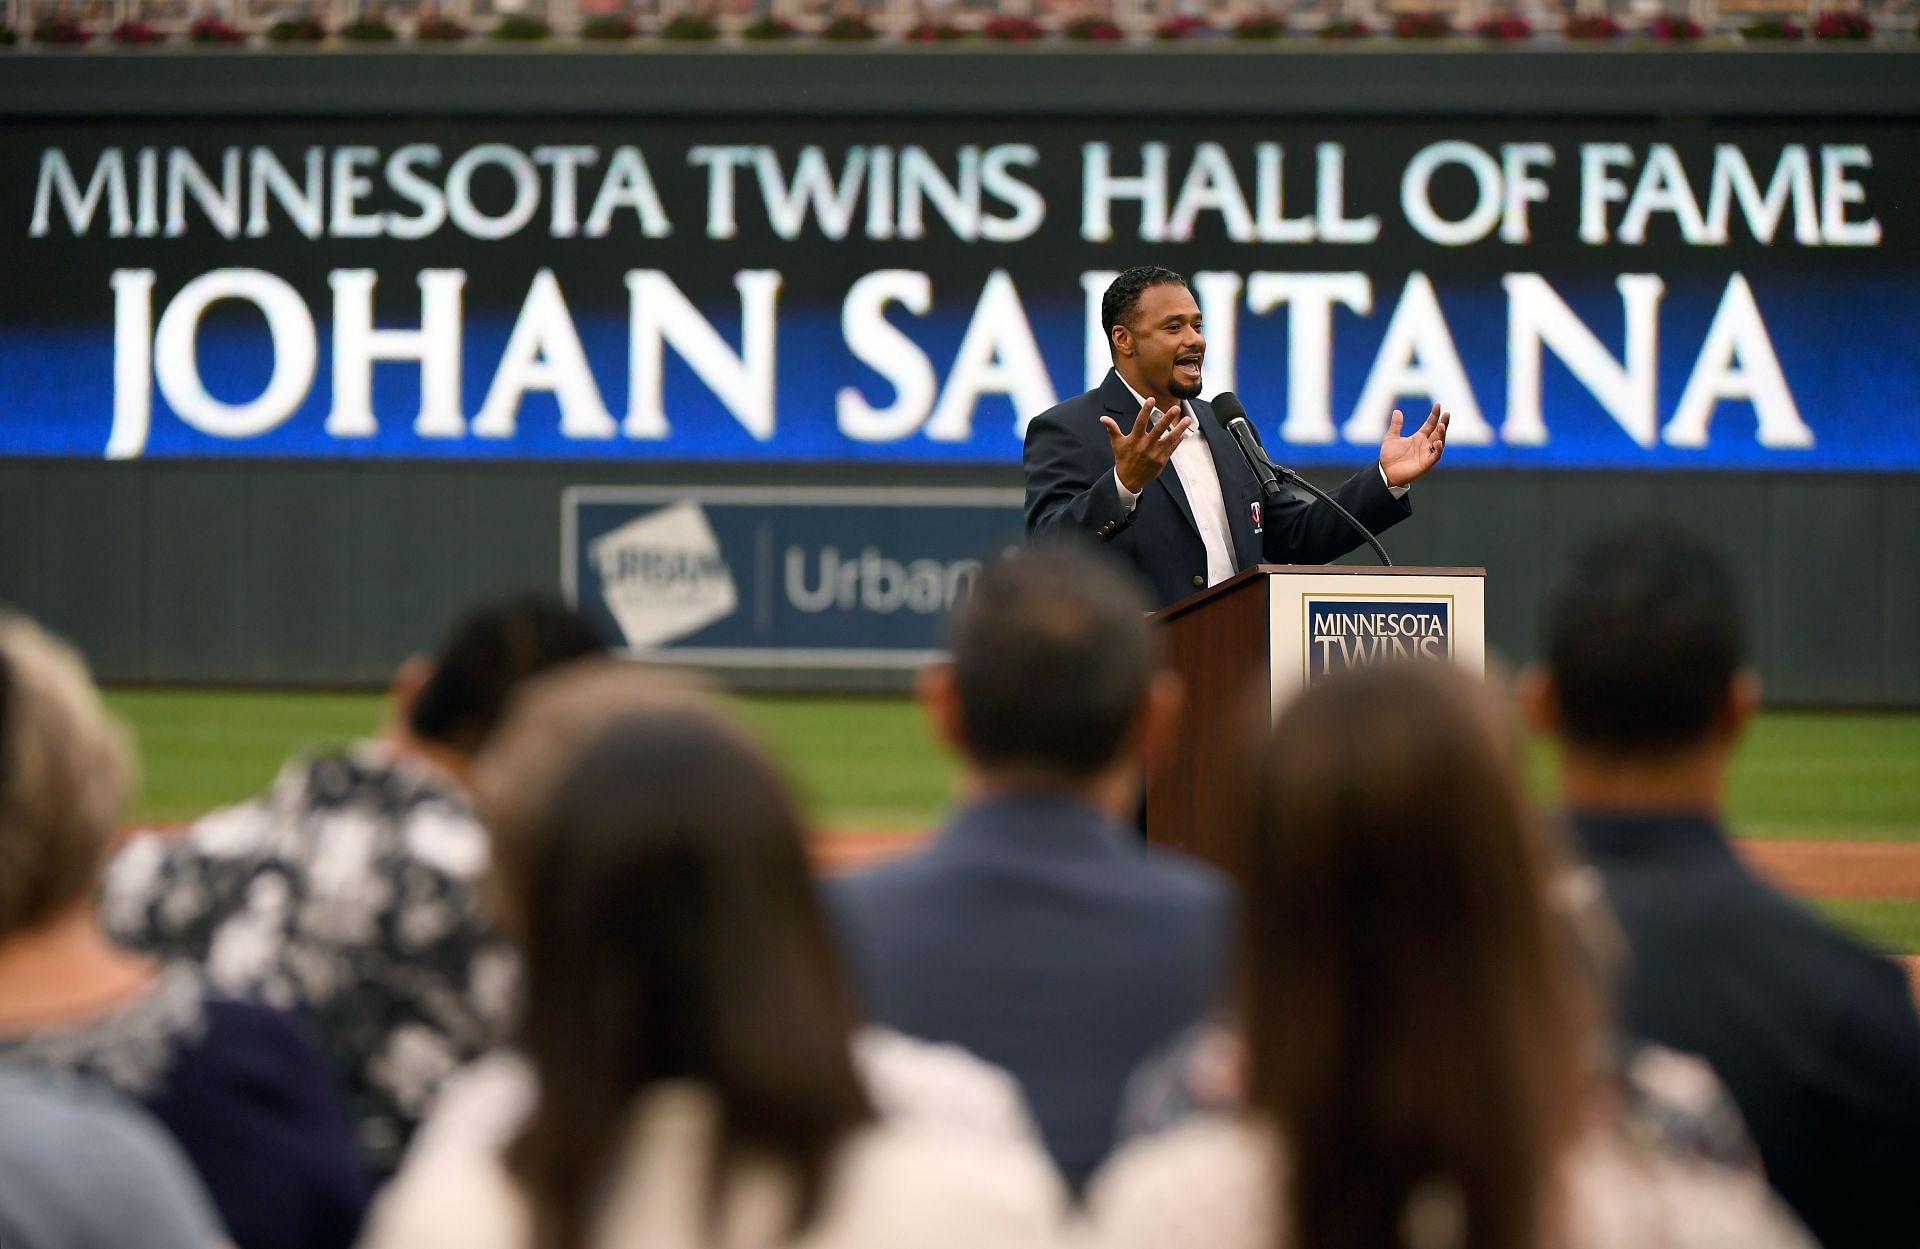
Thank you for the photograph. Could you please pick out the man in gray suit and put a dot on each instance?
(1037, 931)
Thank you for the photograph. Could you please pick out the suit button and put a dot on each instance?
(1200, 583)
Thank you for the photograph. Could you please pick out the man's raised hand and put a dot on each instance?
(1141, 452)
(1405, 459)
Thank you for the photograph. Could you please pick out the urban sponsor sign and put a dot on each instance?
(780, 576)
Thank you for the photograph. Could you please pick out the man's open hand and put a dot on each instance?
(1405, 459)
(1141, 452)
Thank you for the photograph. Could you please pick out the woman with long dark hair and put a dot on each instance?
(685, 1040)
(1423, 1050)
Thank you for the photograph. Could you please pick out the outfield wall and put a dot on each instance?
(1749, 367)
(298, 574)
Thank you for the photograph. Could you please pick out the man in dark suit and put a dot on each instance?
(1815, 1036)
(1206, 519)
(1037, 930)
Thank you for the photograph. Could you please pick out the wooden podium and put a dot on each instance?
(1248, 644)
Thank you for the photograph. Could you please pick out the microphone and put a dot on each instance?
(1232, 415)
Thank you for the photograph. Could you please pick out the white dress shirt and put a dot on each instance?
(1193, 463)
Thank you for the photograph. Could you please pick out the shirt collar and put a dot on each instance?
(1617, 834)
(1039, 824)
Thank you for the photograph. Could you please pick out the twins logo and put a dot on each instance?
(1348, 632)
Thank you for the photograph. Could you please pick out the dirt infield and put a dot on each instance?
(1843, 869)
(849, 852)
(1838, 869)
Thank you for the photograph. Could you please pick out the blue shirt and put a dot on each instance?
(86, 1170)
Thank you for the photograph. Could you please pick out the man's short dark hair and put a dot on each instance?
(1052, 654)
(489, 652)
(1643, 640)
(1122, 299)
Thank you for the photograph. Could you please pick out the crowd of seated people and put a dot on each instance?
(545, 966)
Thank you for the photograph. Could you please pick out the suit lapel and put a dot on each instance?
(1124, 408)
(1231, 470)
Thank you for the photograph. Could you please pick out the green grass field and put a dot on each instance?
(870, 764)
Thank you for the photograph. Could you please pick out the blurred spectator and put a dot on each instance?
(1814, 1035)
(687, 1078)
(254, 1107)
(88, 1171)
(1421, 1037)
(1037, 931)
(349, 891)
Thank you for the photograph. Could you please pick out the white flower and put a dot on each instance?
(1678, 1079)
(319, 975)
(448, 844)
(412, 1066)
(183, 904)
(232, 831)
(492, 982)
(342, 856)
(242, 952)
(130, 882)
(424, 922)
(267, 897)
(348, 918)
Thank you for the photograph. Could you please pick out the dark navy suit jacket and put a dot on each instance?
(1814, 1035)
(1049, 940)
(1070, 489)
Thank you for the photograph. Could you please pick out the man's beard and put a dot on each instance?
(1180, 390)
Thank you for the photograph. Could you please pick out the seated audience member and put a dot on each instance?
(254, 1108)
(1814, 1035)
(686, 1078)
(85, 1170)
(1422, 1040)
(1037, 931)
(348, 892)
